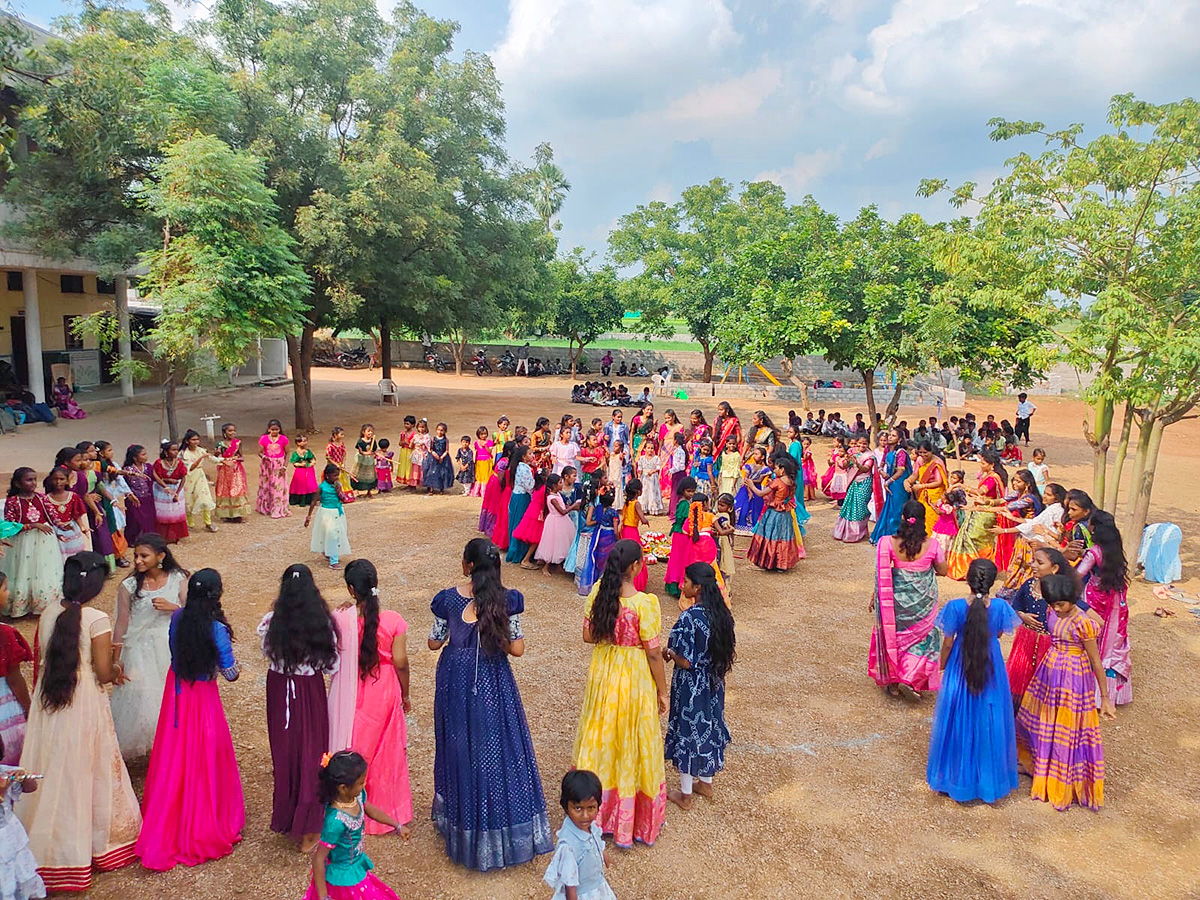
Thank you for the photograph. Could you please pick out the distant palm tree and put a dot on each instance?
(550, 186)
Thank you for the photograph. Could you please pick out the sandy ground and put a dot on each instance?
(824, 785)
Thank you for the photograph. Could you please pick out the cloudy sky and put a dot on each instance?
(853, 101)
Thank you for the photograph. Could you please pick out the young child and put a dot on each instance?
(299, 641)
(699, 528)
(1058, 729)
(438, 473)
(464, 460)
(341, 869)
(972, 746)
(702, 467)
(633, 517)
(233, 501)
(404, 455)
(529, 529)
(618, 463)
(603, 517)
(385, 462)
(558, 530)
(809, 469)
(329, 535)
(184, 823)
(335, 454)
(730, 467)
(1039, 470)
(272, 472)
(14, 691)
(483, 447)
(680, 556)
(18, 869)
(422, 440)
(649, 465)
(591, 457)
(304, 474)
(502, 435)
(68, 515)
(363, 476)
(723, 529)
(576, 872)
(702, 647)
(169, 472)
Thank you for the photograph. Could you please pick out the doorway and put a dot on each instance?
(20, 352)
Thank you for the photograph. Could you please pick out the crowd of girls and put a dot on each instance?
(339, 753)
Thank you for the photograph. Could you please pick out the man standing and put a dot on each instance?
(1025, 411)
(523, 359)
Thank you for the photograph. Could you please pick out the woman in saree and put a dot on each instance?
(893, 476)
(762, 433)
(928, 483)
(666, 447)
(1106, 579)
(975, 539)
(906, 643)
(697, 432)
(851, 526)
(727, 426)
(643, 426)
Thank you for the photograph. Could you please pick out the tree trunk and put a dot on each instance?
(385, 347)
(300, 351)
(893, 407)
(458, 349)
(169, 403)
(1140, 456)
(1099, 440)
(786, 365)
(710, 354)
(1143, 488)
(1112, 486)
(575, 354)
(868, 377)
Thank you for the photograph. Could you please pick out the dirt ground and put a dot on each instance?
(824, 785)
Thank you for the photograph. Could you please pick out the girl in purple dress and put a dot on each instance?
(140, 517)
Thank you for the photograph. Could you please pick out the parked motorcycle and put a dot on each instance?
(507, 363)
(481, 364)
(435, 361)
(358, 358)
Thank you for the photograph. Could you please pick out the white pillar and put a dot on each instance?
(124, 337)
(33, 336)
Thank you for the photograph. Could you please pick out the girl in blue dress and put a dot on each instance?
(487, 794)
(702, 647)
(973, 744)
(603, 518)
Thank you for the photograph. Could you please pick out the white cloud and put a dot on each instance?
(953, 52)
(591, 49)
(733, 99)
(882, 147)
(805, 169)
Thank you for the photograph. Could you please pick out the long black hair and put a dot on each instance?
(977, 634)
(489, 594)
(131, 455)
(363, 581)
(1059, 588)
(157, 543)
(722, 642)
(1058, 492)
(65, 455)
(607, 605)
(992, 457)
(196, 656)
(911, 530)
(83, 579)
(343, 768)
(1113, 572)
(1081, 499)
(517, 457)
(301, 630)
(1031, 489)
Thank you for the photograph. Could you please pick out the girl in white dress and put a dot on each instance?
(141, 641)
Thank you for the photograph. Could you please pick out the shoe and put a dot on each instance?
(212, 529)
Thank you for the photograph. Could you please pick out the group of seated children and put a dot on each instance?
(603, 393)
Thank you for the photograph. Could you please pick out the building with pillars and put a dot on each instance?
(40, 296)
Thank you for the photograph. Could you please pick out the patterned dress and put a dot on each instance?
(272, 477)
(619, 736)
(777, 544)
(696, 731)
(364, 478)
(33, 564)
(336, 454)
(348, 869)
(1058, 728)
(232, 499)
(14, 650)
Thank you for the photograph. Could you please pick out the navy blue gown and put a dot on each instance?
(487, 794)
(696, 732)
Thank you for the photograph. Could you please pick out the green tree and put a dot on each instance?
(687, 253)
(583, 302)
(225, 272)
(549, 185)
(1104, 235)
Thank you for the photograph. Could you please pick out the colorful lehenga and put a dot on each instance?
(619, 735)
(233, 501)
(906, 643)
(777, 544)
(852, 526)
(931, 497)
(1113, 608)
(975, 539)
(1058, 728)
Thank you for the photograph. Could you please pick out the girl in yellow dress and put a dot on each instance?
(619, 736)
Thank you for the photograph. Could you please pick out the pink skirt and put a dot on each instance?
(679, 559)
(193, 809)
(529, 529)
(370, 888)
(558, 536)
(631, 533)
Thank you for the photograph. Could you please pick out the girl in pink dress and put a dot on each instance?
(272, 472)
(193, 809)
(422, 440)
(232, 500)
(558, 531)
(810, 469)
(380, 732)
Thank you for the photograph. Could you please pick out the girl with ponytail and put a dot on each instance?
(85, 815)
(619, 736)
(380, 731)
(193, 804)
(972, 747)
(702, 647)
(487, 794)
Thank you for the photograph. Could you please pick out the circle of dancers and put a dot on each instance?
(577, 499)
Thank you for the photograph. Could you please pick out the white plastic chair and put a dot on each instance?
(388, 390)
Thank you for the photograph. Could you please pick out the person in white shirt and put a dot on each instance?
(1025, 411)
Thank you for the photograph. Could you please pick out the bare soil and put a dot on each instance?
(824, 790)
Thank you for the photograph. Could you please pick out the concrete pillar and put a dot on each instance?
(33, 336)
(124, 337)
